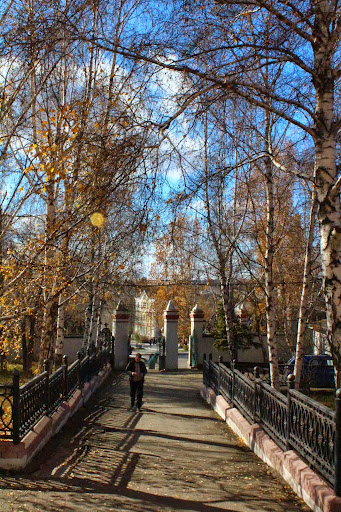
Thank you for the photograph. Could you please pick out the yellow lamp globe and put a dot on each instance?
(97, 219)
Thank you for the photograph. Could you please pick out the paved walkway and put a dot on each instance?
(175, 455)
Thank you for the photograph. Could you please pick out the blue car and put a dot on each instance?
(317, 371)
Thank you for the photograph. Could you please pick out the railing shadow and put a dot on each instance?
(101, 461)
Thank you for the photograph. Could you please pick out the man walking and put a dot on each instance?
(106, 334)
(137, 370)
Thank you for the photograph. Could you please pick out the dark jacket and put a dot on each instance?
(131, 368)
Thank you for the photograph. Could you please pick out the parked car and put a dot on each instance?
(317, 371)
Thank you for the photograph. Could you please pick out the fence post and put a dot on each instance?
(88, 353)
(220, 360)
(47, 366)
(65, 377)
(16, 407)
(47, 387)
(256, 382)
(291, 386)
(79, 358)
(337, 484)
(209, 374)
(98, 360)
(112, 355)
(233, 363)
(204, 370)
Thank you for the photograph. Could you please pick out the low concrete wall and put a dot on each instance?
(206, 346)
(303, 480)
(250, 355)
(72, 345)
(17, 456)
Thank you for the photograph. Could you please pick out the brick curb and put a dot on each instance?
(17, 456)
(303, 480)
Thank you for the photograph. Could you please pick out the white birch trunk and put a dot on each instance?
(326, 176)
(302, 315)
(226, 296)
(329, 216)
(47, 346)
(268, 269)
(99, 340)
(60, 331)
(88, 315)
(91, 297)
(223, 254)
(93, 321)
(49, 328)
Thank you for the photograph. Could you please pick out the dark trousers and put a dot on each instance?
(136, 390)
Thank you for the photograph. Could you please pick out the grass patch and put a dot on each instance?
(324, 396)
(6, 375)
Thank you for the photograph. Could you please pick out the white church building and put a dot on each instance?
(144, 321)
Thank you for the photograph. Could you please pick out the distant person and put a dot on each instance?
(106, 333)
(136, 370)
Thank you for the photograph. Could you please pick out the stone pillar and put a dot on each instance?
(195, 340)
(171, 317)
(121, 324)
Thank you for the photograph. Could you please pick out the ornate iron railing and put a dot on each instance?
(73, 378)
(312, 433)
(33, 403)
(247, 369)
(21, 407)
(84, 370)
(56, 390)
(214, 376)
(93, 367)
(293, 421)
(243, 394)
(6, 408)
(226, 383)
(271, 413)
(206, 377)
(103, 357)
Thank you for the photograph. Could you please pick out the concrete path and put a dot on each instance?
(175, 455)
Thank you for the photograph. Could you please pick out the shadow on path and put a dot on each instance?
(174, 456)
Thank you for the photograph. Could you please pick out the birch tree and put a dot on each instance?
(77, 143)
(225, 208)
(304, 37)
(306, 285)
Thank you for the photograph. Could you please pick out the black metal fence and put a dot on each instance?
(21, 407)
(293, 421)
